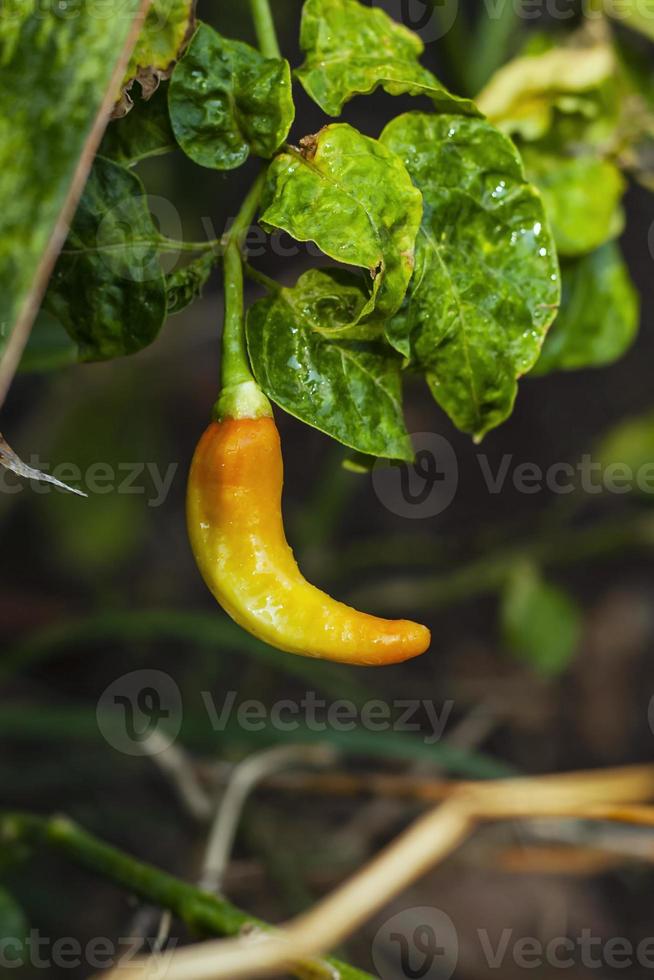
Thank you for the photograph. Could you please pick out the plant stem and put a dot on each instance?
(202, 912)
(240, 395)
(161, 244)
(262, 279)
(265, 28)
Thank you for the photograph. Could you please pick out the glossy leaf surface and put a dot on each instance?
(486, 284)
(303, 359)
(354, 198)
(351, 50)
(227, 101)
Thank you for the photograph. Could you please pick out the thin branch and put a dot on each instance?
(265, 28)
(429, 840)
(243, 781)
(204, 914)
(178, 767)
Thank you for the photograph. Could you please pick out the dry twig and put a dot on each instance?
(608, 794)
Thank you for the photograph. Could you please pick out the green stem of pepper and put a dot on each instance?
(204, 913)
(240, 395)
(265, 28)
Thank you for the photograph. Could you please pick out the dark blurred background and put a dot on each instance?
(91, 590)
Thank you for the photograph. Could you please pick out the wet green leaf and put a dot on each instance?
(599, 314)
(541, 624)
(168, 26)
(582, 198)
(354, 198)
(185, 285)
(55, 71)
(486, 285)
(301, 354)
(108, 289)
(143, 132)
(227, 101)
(351, 50)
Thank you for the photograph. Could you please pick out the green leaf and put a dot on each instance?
(303, 358)
(599, 314)
(144, 132)
(523, 96)
(636, 14)
(541, 624)
(185, 285)
(108, 289)
(167, 28)
(227, 101)
(486, 285)
(351, 50)
(582, 198)
(13, 930)
(55, 71)
(354, 198)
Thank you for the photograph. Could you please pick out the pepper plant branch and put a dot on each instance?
(262, 279)
(235, 367)
(202, 912)
(264, 26)
(601, 794)
(161, 243)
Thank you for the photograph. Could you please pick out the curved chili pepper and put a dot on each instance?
(237, 536)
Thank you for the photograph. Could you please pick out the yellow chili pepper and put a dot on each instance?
(234, 513)
(237, 536)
